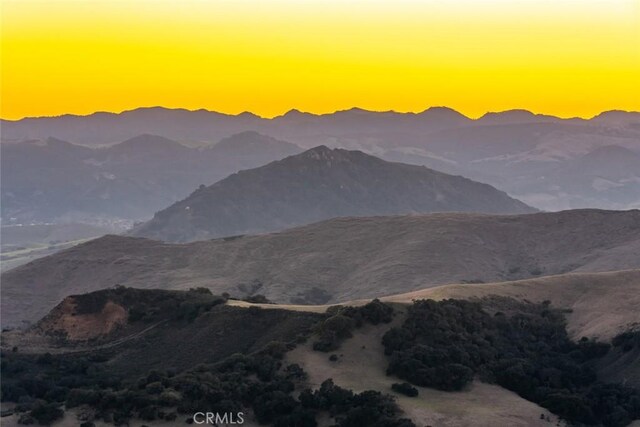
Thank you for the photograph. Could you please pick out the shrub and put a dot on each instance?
(154, 387)
(169, 398)
(46, 413)
(627, 341)
(275, 349)
(331, 331)
(258, 299)
(405, 388)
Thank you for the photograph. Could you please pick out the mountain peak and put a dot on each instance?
(147, 138)
(295, 113)
(443, 111)
(318, 184)
(250, 142)
(147, 143)
(322, 153)
(242, 136)
(515, 116)
(248, 115)
(617, 117)
(321, 150)
(354, 111)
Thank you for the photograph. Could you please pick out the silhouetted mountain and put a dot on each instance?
(210, 126)
(146, 145)
(516, 151)
(611, 161)
(618, 117)
(515, 117)
(52, 179)
(248, 149)
(318, 184)
(605, 176)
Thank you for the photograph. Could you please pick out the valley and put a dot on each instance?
(23, 243)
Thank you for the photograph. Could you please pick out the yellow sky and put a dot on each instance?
(563, 57)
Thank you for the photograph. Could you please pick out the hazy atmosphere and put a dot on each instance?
(320, 213)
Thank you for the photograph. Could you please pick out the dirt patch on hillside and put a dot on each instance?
(64, 320)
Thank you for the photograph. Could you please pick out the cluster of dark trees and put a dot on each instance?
(40, 385)
(262, 382)
(343, 320)
(153, 305)
(627, 341)
(369, 408)
(445, 344)
(149, 305)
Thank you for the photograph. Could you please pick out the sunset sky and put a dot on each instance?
(562, 57)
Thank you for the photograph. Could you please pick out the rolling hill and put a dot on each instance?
(319, 184)
(598, 305)
(337, 260)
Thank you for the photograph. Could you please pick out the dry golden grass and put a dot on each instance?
(362, 364)
(602, 304)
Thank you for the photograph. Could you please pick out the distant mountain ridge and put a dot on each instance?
(182, 124)
(525, 154)
(52, 179)
(318, 184)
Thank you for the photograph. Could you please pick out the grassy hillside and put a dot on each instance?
(597, 305)
(338, 260)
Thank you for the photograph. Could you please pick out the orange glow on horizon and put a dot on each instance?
(562, 57)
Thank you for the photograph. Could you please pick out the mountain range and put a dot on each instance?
(535, 158)
(318, 184)
(204, 125)
(53, 180)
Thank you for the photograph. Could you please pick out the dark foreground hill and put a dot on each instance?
(319, 184)
(153, 357)
(337, 260)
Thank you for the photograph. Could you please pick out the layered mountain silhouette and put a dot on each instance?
(55, 180)
(319, 184)
(204, 125)
(522, 153)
